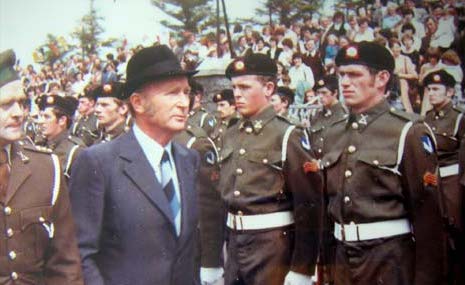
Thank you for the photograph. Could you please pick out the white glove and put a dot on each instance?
(210, 275)
(294, 278)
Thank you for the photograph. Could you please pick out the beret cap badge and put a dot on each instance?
(437, 78)
(107, 88)
(50, 100)
(218, 97)
(351, 52)
(321, 82)
(239, 65)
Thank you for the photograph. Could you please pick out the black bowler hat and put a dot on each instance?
(370, 54)
(285, 92)
(7, 72)
(113, 89)
(224, 95)
(439, 77)
(328, 81)
(252, 64)
(67, 104)
(152, 64)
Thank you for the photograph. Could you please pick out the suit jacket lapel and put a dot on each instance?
(185, 174)
(20, 171)
(138, 169)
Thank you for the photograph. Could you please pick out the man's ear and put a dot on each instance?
(383, 77)
(450, 92)
(269, 88)
(137, 102)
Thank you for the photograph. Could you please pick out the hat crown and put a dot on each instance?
(149, 57)
(7, 72)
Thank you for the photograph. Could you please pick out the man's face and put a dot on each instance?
(357, 86)
(50, 125)
(278, 104)
(109, 112)
(85, 105)
(225, 109)
(251, 95)
(297, 61)
(328, 98)
(11, 112)
(162, 107)
(438, 94)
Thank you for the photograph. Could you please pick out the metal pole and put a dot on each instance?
(233, 54)
(218, 49)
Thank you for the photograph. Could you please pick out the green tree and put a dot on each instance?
(289, 10)
(89, 31)
(193, 14)
(52, 50)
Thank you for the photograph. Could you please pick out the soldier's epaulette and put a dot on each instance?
(76, 140)
(341, 119)
(458, 109)
(197, 132)
(404, 115)
(233, 121)
(284, 118)
(37, 148)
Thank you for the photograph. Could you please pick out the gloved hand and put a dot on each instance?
(210, 275)
(294, 278)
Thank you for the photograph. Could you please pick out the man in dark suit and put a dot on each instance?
(134, 198)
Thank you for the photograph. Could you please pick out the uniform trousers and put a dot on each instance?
(259, 257)
(375, 262)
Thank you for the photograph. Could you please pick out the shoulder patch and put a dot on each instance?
(210, 157)
(404, 115)
(305, 142)
(459, 109)
(428, 144)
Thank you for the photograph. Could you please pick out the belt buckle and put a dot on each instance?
(234, 222)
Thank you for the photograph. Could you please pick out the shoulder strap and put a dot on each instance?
(287, 134)
(70, 160)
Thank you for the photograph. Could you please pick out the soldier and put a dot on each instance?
(281, 100)
(327, 89)
(448, 125)
(198, 116)
(85, 127)
(111, 111)
(30, 129)
(228, 116)
(381, 175)
(211, 210)
(270, 185)
(55, 120)
(37, 243)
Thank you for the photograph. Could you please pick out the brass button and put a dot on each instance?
(434, 128)
(265, 161)
(319, 150)
(220, 130)
(189, 127)
(354, 125)
(41, 219)
(7, 211)
(351, 149)
(237, 193)
(327, 163)
(9, 232)
(240, 213)
(14, 275)
(444, 134)
(12, 255)
(346, 199)
(242, 151)
(436, 117)
(348, 173)
(239, 171)
(322, 139)
(375, 162)
(248, 130)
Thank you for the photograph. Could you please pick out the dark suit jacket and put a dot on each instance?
(125, 231)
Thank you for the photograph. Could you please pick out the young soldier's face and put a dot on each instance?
(50, 125)
(11, 112)
(225, 109)
(438, 94)
(278, 104)
(108, 111)
(327, 96)
(251, 94)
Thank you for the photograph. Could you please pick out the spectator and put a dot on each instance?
(274, 51)
(301, 78)
(392, 18)
(364, 33)
(285, 57)
(452, 64)
(109, 75)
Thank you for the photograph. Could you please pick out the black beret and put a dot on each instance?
(224, 95)
(251, 64)
(7, 72)
(90, 93)
(113, 89)
(67, 104)
(152, 64)
(286, 92)
(439, 77)
(328, 81)
(370, 54)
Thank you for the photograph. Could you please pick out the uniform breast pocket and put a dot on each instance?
(36, 230)
(381, 169)
(329, 164)
(265, 169)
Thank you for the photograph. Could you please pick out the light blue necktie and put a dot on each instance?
(168, 184)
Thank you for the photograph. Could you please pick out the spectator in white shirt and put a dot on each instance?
(365, 33)
(301, 78)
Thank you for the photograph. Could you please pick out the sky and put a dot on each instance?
(24, 24)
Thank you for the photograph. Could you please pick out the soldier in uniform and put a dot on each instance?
(281, 100)
(55, 120)
(37, 237)
(228, 116)
(111, 111)
(270, 185)
(30, 129)
(448, 125)
(327, 89)
(211, 210)
(199, 116)
(381, 181)
(85, 126)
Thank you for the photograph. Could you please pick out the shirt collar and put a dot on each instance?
(152, 149)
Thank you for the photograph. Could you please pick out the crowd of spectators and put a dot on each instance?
(422, 36)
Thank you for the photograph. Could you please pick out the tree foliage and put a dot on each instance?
(288, 11)
(193, 14)
(89, 31)
(53, 49)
